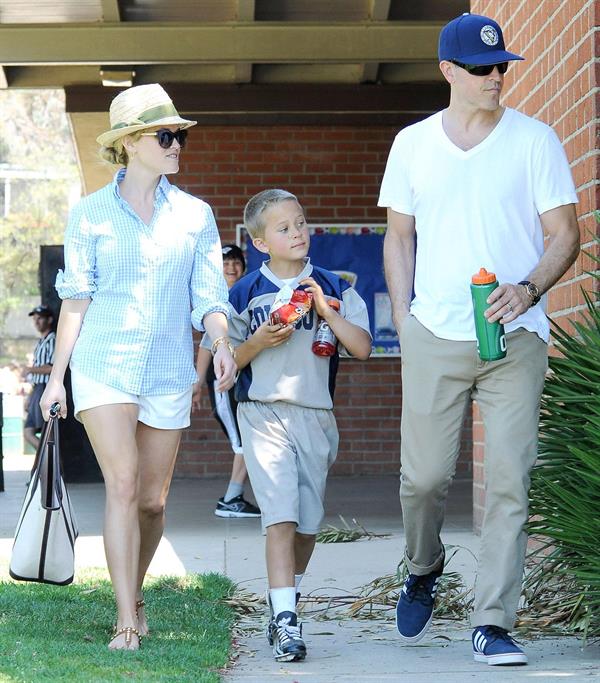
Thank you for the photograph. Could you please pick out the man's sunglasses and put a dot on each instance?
(481, 69)
(165, 137)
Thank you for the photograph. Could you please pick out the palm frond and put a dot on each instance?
(563, 589)
(346, 533)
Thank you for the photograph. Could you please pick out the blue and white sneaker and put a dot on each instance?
(272, 625)
(493, 645)
(285, 636)
(414, 610)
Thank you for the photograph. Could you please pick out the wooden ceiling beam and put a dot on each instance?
(128, 43)
(269, 119)
(111, 11)
(379, 10)
(245, 11)
(281, 100)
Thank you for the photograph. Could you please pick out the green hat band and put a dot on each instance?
(149, 116)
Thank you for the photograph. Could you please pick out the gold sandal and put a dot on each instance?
(128, 631)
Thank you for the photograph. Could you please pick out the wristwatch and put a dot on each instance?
(532, 291)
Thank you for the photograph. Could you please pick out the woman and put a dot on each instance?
(141, 258)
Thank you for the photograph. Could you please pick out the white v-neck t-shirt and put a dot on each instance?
(475, 209)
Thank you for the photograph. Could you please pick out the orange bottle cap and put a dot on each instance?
(483, 277)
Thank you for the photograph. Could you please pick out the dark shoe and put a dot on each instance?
(286, 638)
(236, 507)
(272, 625)
(493, 645)
(414, 610)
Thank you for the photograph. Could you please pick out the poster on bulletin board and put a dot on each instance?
(354, 252)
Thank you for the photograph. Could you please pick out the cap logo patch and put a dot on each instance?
(489, 35)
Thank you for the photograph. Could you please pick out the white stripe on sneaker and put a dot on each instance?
(480, 642)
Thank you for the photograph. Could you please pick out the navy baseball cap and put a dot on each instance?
(473, 39)
(42, 310)
(232, 251)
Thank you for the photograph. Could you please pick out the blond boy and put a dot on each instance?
(285, 397)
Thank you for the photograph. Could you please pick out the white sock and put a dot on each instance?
(297, 579)
(233, 491)
(283, 600)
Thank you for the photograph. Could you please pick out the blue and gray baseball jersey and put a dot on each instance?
(290, 372)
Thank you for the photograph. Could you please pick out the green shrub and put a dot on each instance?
(565, 493)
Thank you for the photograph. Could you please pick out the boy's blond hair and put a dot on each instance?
(258, 204)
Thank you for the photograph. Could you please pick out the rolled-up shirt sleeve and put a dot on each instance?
(208, 289)
(78, 280)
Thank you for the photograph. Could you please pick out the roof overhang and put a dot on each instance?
(233, 62)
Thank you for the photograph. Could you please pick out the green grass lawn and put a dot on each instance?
(61, 633)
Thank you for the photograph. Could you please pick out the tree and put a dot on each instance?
(35, 137)
(36, 131)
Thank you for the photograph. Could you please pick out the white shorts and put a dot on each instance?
(164, 411)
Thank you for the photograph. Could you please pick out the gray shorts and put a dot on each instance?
(288, 450)
(34, 418)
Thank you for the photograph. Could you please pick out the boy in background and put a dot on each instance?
(38, 373)
(285, 398)
(224, 405)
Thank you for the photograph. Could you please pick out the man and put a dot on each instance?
(476, 185)
(37, 374)
(224, 405)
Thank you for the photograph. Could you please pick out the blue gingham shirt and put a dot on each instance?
(148, 285)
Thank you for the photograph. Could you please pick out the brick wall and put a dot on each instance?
(336, 172)
(558, 84)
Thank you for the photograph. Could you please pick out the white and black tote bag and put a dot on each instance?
(44, 544)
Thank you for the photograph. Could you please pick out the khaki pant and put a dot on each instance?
(439, 377)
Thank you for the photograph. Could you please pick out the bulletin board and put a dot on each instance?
(355, 252)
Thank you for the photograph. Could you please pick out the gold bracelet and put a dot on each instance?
(222, 340)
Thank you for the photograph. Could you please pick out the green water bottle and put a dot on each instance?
(491, 341)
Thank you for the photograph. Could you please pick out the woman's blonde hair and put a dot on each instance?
(117, 154)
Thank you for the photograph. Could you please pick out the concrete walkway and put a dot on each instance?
(341, 650)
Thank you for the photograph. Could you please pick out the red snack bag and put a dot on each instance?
(290, 305)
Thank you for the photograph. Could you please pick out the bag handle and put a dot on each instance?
(47, 467)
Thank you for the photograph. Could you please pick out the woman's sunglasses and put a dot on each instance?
(482, 69)
(165, 137)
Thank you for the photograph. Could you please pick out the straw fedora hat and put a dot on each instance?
(143, 106)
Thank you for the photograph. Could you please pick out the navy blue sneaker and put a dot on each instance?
(493, 645)
(286, 638)
(415, 605)
(272, 625)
